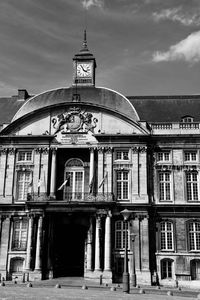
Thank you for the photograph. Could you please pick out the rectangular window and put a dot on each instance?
(190, 156)
(163, 156)
(122, 185)
(194, 236)
(166, 235)
(120, 230)
(164, 186)
(122, 155)
(166, 268)
(192, 186)
(19, 237)
(24, 156)
(73, 189)
(24, 184)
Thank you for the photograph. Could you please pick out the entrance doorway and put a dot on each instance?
(195, 269)
(69, 249)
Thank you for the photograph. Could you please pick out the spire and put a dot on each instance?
(84, 47)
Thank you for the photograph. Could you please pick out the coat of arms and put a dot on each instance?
(74, 120)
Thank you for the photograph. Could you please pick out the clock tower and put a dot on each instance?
(84, 65)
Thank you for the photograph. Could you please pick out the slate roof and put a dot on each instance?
(8, 108)
(149, 108)
(166, 108)
(91, 96)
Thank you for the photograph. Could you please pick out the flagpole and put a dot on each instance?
(107, 185)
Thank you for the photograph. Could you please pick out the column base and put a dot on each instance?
(143, 277)
(34, 275)
(104, 277)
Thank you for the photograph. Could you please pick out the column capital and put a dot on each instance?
(11, 151)
(141, 215)
(54, 150)
(4, 151)
(100, 149)
(92, 149)
(4, 217)
(109, 150)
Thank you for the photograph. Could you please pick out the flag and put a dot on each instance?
(103, 180)
(64, 183)
(91, 185)
(39, 182)
(30, 186)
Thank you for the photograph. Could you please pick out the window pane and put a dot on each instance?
(194, 236)
(23, 183)
(164, 186)
(166, 235)
(19, 237)
(192, 186)
(122, 185)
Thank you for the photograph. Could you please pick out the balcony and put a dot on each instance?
(175, 128)
(73, 197)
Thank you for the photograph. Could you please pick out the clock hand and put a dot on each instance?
(83, 69)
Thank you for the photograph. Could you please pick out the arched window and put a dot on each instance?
(194, 236)
(74, 180)
(166, 236)
(166, 268)
(187, 119)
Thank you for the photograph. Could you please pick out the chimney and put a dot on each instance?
(22, 94)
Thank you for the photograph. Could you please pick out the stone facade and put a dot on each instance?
(72, 159)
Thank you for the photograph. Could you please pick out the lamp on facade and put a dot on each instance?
(133, 236)
(126, 278)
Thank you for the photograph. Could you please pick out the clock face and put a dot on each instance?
(84, 70)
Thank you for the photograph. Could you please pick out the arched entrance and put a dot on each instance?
(69, 249)
(195, 269)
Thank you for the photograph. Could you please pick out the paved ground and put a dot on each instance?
(52, 293)
(71, 288)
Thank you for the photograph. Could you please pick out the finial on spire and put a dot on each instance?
(85, 47)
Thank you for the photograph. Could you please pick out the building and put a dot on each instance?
(71, 159)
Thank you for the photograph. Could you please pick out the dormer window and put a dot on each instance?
(187, 119)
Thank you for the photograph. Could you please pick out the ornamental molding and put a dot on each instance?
(74, 120)
(24, 167)
(139, 149)
(122, 166)
(177, 167)
(44, 150)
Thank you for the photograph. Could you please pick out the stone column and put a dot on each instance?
(4, 244)
(107, 246)
(100, 170)
(53, 174)
(29, 243)
(143, 172)
(89, 246)
(97, 244)
(38, 245)
(91, 178)
(109, 164)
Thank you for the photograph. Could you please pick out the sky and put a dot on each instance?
(142, 47)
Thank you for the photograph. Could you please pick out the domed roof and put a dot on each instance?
(94, 96)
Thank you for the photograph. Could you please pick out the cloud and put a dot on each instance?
(186, 50)
(88, 3)
(177, 14)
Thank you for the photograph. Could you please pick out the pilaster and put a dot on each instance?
(53, 174)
